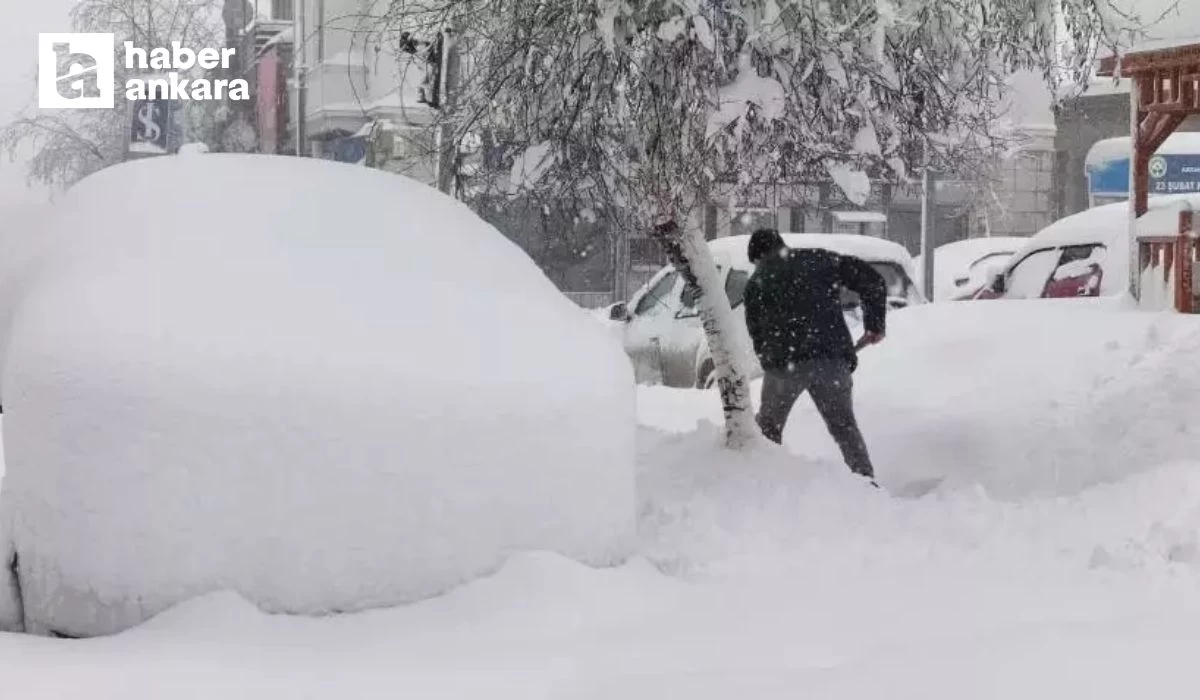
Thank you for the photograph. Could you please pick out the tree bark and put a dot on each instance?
(689, 253)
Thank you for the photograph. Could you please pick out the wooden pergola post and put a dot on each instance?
(1164, 91)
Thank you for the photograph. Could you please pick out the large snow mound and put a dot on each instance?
(1018, 398)
(324, 387)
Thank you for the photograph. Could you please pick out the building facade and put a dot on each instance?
(362, 101)
(1101, 113)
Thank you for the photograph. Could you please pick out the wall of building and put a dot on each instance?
(1081, 123)
(1023, 200)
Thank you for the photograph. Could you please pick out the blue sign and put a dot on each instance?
(1174, 174)
(1169, 174)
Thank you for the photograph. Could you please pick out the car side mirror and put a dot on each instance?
(619, 312)
(998, 285)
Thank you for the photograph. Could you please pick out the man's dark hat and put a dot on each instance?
(764, 242)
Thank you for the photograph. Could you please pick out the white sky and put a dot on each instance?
(22, 21)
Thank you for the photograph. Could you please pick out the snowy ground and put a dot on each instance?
(775, 575)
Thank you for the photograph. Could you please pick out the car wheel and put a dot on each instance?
(706, 378)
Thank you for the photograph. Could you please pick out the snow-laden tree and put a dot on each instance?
(66, 146)
(644, 106)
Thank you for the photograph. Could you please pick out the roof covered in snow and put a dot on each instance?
(1163, 44)
(1117, 149)
(732, 249)
(1167, 24)
(971, 259)
(1108, 225)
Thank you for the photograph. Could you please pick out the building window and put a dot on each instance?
(747, 221)
(796, 220)
(282, 10)
(646, 251)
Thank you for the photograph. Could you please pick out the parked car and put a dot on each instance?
(1082, 255)
(962, 268)
(661, 330)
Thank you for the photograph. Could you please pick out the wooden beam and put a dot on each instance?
(1144, 84)
(1185, 255)
(1187, 92)
(1184, 108)
(1141, 180)
(1143, 61)
(1165, 125)
(1147, 125)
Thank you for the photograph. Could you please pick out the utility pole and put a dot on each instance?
(300, 78)
(928, 219)
(447, 144)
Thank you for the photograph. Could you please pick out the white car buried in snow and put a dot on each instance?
(1084, 255)
(662, 332)
(250, 400)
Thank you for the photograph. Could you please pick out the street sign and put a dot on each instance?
(1169, 174)
(1174, 174)
(149, 127)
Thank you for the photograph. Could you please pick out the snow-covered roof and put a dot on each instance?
(975, 248)
(731, 250)
(1117, 149)
(958, 260)
(959, 256)
(860, 217)
(1163, 43)
(1028, 101)
(1109, 224)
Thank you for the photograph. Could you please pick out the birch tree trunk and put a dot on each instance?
(688, 252)
(11, 609)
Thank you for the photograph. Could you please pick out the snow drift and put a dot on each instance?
(325, 387)
(1020, 398)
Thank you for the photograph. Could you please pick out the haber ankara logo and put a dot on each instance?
(76, 71)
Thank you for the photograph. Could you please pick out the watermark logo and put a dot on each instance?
(76, 71)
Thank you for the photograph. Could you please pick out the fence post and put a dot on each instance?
(1184, 259)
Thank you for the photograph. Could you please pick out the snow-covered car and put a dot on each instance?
(300, 396)
(1082, 255)
(962, 268)
(662, 332)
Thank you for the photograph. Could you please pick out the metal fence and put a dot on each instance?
(591, 300)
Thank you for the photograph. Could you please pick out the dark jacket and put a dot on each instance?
(794, 310)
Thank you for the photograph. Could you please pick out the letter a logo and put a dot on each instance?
(76, 71)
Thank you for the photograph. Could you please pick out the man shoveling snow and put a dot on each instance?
(794, 315)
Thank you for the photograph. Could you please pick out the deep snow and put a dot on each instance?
(1041, 397)
(323, 407)
(773, 575)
